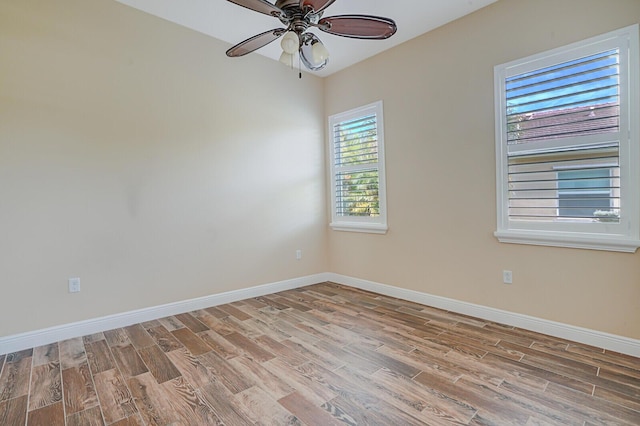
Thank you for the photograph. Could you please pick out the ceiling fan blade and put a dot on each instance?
(255, 42)
(359, 26)
(261, 6)
(317, 5)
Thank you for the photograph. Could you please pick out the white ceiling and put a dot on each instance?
(232, 23)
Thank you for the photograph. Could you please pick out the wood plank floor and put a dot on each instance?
(319, 355)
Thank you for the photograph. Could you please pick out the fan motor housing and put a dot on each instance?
(294, 17)
(284, 4)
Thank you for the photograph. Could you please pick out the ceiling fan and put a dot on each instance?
(300, 15)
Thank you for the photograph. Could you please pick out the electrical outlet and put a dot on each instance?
(74, 285)
(507, 277)
(298, 254)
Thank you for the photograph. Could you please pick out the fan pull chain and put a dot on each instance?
(299, 68)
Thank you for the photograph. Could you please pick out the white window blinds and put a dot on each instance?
(555, 171)
(357, 167)
(573, 98)
(575, 179)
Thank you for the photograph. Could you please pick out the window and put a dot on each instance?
(358, 200)
(567, 145)
(587, 194)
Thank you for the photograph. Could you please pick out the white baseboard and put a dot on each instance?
(595, 338)
(45, 336)
(586, 336)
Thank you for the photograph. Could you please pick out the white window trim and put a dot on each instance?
(375, 225)
(623, 237)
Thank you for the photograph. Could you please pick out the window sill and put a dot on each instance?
(559, 239)
(371, 228)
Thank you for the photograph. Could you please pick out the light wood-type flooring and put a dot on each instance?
(319, 355)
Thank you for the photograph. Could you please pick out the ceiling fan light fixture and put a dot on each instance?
(313, 62)
(290, 43)
(319, 52)
(287, 59)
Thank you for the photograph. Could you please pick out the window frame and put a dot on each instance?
(623, 236)
(369, 224)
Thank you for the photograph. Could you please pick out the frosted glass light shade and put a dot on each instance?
(287, 59)
(313, 62)
(319, 52)
(290, 42)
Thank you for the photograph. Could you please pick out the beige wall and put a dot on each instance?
(438, 109)
(135, 155)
